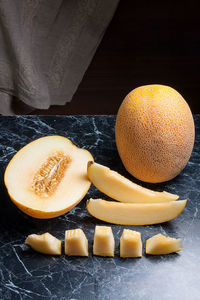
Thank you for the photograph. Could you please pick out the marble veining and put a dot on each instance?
(25, 274)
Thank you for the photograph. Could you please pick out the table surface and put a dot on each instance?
(25, 274)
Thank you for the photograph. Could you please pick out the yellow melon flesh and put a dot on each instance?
(48, 177)
(134, 213)
(120, 188)
(160, 244)
(130, 244)
(44, 243)
(104, 242)
(76, 243)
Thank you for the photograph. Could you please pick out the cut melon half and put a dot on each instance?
(48, 177)
(134, 213)
(121, 189)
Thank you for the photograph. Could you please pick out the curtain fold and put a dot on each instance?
(46, 47)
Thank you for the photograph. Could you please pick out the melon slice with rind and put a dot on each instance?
(134, 213)
(121, 189)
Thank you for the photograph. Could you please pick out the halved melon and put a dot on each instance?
(120, 188)
(48, 177)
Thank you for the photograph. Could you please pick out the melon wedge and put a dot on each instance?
(48, 177)
(121, 189)
(134, 213)
(160, 244)
(44, 243)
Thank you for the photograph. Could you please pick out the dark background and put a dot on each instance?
(146, 42)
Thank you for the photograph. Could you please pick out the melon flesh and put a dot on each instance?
(134, 213)
(120, 188)
(44, 243)
(104, 242)
(76, 243)
(130, 244)
(160, 244)
(48, 177)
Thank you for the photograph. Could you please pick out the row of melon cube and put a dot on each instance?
(76, 243)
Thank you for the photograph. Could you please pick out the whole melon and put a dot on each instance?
(154, 133)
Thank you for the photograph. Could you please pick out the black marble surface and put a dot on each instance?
(25, 274)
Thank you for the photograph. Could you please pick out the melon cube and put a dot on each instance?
(130, 244)
(104, 243)
(76, 243)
